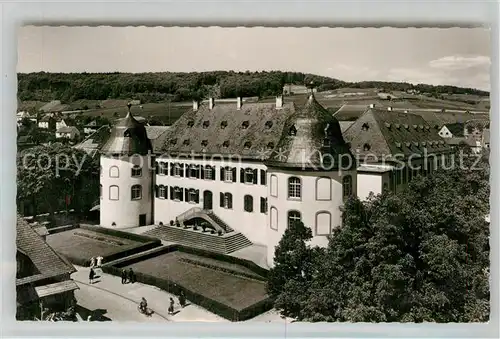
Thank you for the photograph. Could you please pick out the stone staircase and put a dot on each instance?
(207, 215)
(226, 243)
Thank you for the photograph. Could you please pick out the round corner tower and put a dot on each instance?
(310, 174)
(126, 176)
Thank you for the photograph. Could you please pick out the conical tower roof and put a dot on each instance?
(127, 137)
(311, 140)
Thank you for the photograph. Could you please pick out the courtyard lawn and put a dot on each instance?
(229, 289)
(84, 244)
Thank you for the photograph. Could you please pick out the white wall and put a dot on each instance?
(125, 211)
(321, 192)
(251, 224)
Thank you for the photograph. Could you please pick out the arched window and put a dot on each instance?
(114, 192)
(248, 203)
(114, 172)
(294, 187)
(136, 171)
(136, 192)
(274, 218)
(347, 186)
(293, 217)
(162, 192)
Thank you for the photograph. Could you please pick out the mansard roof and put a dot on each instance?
(251, 132)
(388, 133)
(312, 138)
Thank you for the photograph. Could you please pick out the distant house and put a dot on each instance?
(67, 132)
(43, 283)
(386, 96)
(61, 123)
(90, 128)
(455, 130)
(135, 102)
(47, 122)
(289, 89)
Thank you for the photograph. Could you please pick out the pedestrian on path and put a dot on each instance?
(131, 276)
(171, 307)
(99, 261)
(91, 276)
(124, 277)
(182, 299)
(92, 262)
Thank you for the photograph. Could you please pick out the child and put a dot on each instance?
(91, 276)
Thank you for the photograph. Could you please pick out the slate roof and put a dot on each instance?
(47, 118)
(128, 137)
(249, 132)
(44, 258)
(456, 129)
(344, 125)
(154, 132)
(384, 133)
(68, 129)
(316, 134)
(454, 141)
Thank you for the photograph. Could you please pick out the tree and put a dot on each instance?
(294, 263)
(419, 255)
(47, 175)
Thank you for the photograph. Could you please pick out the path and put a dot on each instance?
(111, 294)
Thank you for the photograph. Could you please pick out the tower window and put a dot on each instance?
(114, 192)
(365, 127)
(186, 142)
(225, 144)
(136, 192)
(173, 141)
(292, 131)
(136, 171)
(245, 124)
(204, 143)
(248, 144)
(223, 124)
(293, 217)
(114, 172)
(270, 145)
(269, 124)
(366, 147)
(190, 123)
(294, 187)
(248, 203)
(347, 186)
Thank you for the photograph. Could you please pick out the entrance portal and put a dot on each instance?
(207, 200)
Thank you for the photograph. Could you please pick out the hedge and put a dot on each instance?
(226, 258)
(120, 234)
(211, 305)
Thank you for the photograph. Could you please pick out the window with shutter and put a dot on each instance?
(222, 174)
(162, 194)
(172, 194)
(229, 200)
(186, 195)
(234, 174)
(221, 200)
(255, 172)
(181, 195)
(156, 191)
(263, 177)
(197, 196)
(181, 170)
(242, 175)
(172, 165)
(202, 172)
(157, 171)
(248, 203)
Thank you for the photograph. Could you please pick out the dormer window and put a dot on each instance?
(204, 143)
(415, 127)
(190, 123)
(173, 141)
(269, 124)
(223, 124)
(292, 131)
(225, 144)
(427, 128)
(408, 144)
(365, 127)
(366, 147)
(406, 126)
(206, 123)
(388, 125)
(247, 145)
(270, 145)
(421, 127)
(245, 124)
(186, 142)
(398, 126)
(398, 145)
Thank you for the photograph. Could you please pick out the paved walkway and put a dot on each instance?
(130, 294)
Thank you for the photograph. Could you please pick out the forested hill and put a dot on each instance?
(157, 87)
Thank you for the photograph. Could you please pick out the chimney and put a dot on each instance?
(389, 108)
(210, 103)
(238, 103)
(372, 105)
(279, 102)
(195, 105)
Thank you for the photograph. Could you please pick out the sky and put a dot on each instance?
(454, 56)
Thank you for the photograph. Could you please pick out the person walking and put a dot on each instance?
(131, 276)
(171, 307)
(91, 276)
(124, 277)
(99, 261)
(182, 299)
